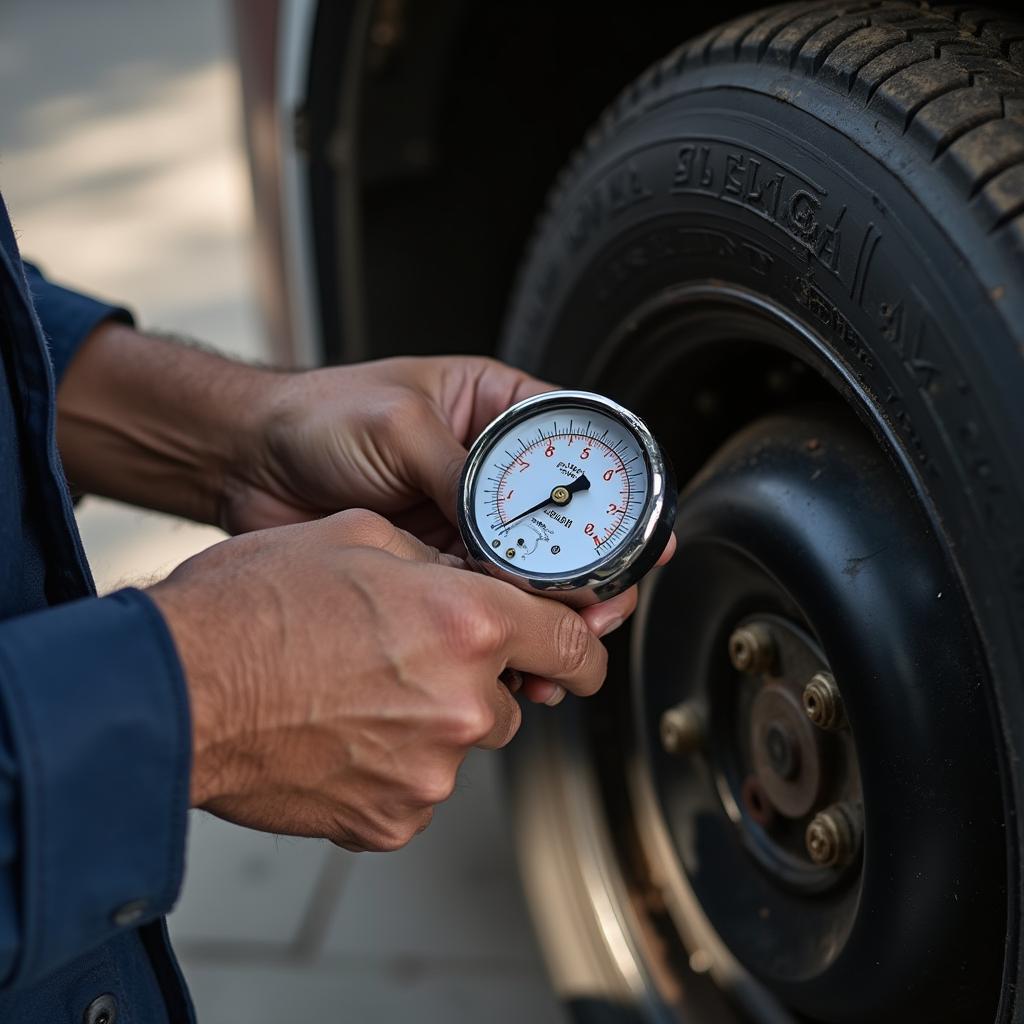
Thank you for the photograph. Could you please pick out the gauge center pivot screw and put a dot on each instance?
(561, 496)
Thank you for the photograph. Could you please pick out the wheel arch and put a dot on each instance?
(431, 135)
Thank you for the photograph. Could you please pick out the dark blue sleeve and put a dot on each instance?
(67, 317)
(95, 753)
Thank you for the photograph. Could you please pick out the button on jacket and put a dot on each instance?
(94, 721)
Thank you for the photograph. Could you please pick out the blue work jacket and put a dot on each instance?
(94, 721)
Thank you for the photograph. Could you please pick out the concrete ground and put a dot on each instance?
(122, 164)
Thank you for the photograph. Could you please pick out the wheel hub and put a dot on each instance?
(835, 796)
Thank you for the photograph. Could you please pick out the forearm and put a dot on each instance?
(155, 423)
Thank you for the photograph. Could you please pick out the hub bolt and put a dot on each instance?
(681, 730)
(823, 703)
(833, 835)
(752, 648)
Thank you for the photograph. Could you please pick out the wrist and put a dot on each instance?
(208, 676)
(157, 423)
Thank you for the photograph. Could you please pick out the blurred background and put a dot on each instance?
(122, 164)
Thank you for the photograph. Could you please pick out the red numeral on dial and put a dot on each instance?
(589, 529)
(608, 473)
(585, 454)
(612, 508)
(549, 451)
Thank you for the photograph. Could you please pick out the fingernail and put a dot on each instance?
(557, 695)
(611, 626)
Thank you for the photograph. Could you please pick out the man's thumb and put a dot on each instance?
(437, 466)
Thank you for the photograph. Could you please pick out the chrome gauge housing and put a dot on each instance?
(567, 494)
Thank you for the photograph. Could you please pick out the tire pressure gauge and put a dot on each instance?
(567, 494)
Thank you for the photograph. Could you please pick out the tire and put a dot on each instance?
(851, 177)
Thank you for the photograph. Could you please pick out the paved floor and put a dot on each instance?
(121, 161)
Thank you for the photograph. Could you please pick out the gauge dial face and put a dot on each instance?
(560, 491)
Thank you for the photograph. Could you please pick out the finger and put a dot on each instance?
(435, 460)
(542, 691)
(543, 637)
(670, 550)
(507, 716)
(362, 528)
(606, 617)
(468, 401)
(496, 387)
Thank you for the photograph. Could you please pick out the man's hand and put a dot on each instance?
(339, 672)
(389, 435)
(164, 425)
(180, 430)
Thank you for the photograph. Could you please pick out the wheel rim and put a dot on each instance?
(702, 327)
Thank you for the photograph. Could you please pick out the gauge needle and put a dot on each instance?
(560, 495)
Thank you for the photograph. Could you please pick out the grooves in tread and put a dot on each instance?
(949, 77)
(941, 76)
(1007, 152)
(965, 109)
(876, 73)
(817, 50)
(907, 92)
(972, 131)
(785, 47)
(845, 63)
(1002, 198)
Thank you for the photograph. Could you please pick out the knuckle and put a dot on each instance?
(402, 411)
(397, 835)
(473, 629)
(385, 842)
(362, 526)
(433, 788)
(470, 724)
(572, 642)
(385, 835)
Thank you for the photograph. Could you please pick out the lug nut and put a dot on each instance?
(823, 702)
(833, 835)
(681, 730)
(752, 648)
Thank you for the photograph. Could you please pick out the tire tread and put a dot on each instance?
(950, 77)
